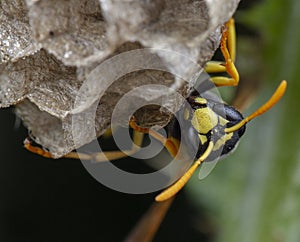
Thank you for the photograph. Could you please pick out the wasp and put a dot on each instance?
(217, 126)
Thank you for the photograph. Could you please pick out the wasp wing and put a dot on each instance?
(206, 168)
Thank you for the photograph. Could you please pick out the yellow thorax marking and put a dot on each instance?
(200, 100)
(204, 120)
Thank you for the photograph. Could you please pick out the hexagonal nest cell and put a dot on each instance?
(49, 48)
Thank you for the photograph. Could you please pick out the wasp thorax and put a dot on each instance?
(210, 119)
(204, 120)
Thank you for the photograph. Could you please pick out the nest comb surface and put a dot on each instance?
(49, 48)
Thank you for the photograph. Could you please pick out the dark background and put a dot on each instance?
(57, 200)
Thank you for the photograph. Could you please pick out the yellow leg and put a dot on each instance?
(231, 38)
(169, 143)
(177, 186)
(277, 95)
(138, 135)
(228, 48)
(36, 150)
(98, 157)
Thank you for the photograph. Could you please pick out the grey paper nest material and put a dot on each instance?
(49, 48)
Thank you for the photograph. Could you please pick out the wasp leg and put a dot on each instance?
(36, 150)
(170, 145)
(98, 156)
(107, 133)
(228, 48)
(177, 186)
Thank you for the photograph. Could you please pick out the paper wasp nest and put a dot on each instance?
(48, 48)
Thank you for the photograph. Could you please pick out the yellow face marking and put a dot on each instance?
(204, 119)
(222, 140)
(203, 139)
(200, 100)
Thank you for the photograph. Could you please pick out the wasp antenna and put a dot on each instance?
(264, 108)
(177, 186)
